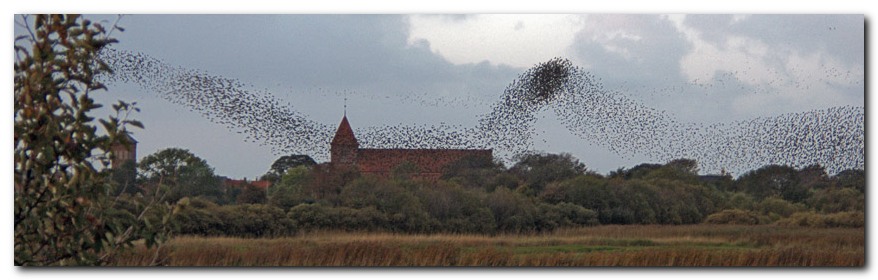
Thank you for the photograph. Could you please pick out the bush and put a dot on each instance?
(254, 220)
(833, 200)
(733, 217)
(565, 214)
(852, 219)
(777, 206)
(197, 216)
(311, 217)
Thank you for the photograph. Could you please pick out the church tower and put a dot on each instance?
(343, 149)
(124, 152)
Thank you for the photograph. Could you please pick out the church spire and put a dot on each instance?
(343, 148)
(345, 135)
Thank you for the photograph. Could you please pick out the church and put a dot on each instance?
(345, 152)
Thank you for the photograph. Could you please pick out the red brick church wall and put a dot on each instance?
(430, 162)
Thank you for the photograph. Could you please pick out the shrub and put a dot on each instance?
(778, 206)
(254, 220)
(811, 219)
(733, 217)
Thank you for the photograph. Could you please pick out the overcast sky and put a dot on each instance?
(431, 69)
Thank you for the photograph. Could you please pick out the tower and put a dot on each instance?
(124, 152)
(343, 148)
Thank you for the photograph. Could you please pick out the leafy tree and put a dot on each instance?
(814, 177)
(474, 171)
(773, 180)
(684, 165)
(684, 170)
(327, 182)
(851, 178)
(833, 200)
(124, 178)
(741, 201)
(636, 172)
(185, 174)
(251, 195)
(254, 220)
(291, 189)
(63, 213)
(776, 207)
(538, 170)
(403, 209)
(512, 211)
(197, 216)
(283, 164)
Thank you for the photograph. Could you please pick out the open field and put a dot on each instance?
(637, 245)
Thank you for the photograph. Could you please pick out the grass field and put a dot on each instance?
(637, 245)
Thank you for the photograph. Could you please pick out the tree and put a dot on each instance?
(851, 178)
(63, 211)
(773, 180)
(183, 173)
(291, 190)
(473, 171)
(283, 164)
(251, 195)
(538, 170)
(124, 178)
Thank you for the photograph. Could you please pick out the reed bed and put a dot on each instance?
(646, 245)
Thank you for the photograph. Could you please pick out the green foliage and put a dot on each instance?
(741, 201)
(63, 211)
(124, 178)
(773, 180)
(478, 172)
(684, 170)
(285, 163)
(479, 196)
(561, 215)
(185, 174)
(197, 216)
(774, 206)
(312, 216)
(833, 200)
(254, 220)
(853, 219)
(291, 189)
(513, 212)
(251, 195)
(538, 170)
(404, 171)
(456, 209)
(733, 217)
(851, 178)
(403, 209)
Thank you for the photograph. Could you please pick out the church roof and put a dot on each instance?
(345, 135)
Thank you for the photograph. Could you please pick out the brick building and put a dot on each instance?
(345, 152)
(124, 152)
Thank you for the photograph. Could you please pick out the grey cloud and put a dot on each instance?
(654, 59)
(841, 36)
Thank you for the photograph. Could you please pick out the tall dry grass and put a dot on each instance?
(648, 245)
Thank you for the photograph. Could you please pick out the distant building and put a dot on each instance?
(345, 152)
(124, 152)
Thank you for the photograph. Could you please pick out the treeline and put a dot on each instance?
(540, 192)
